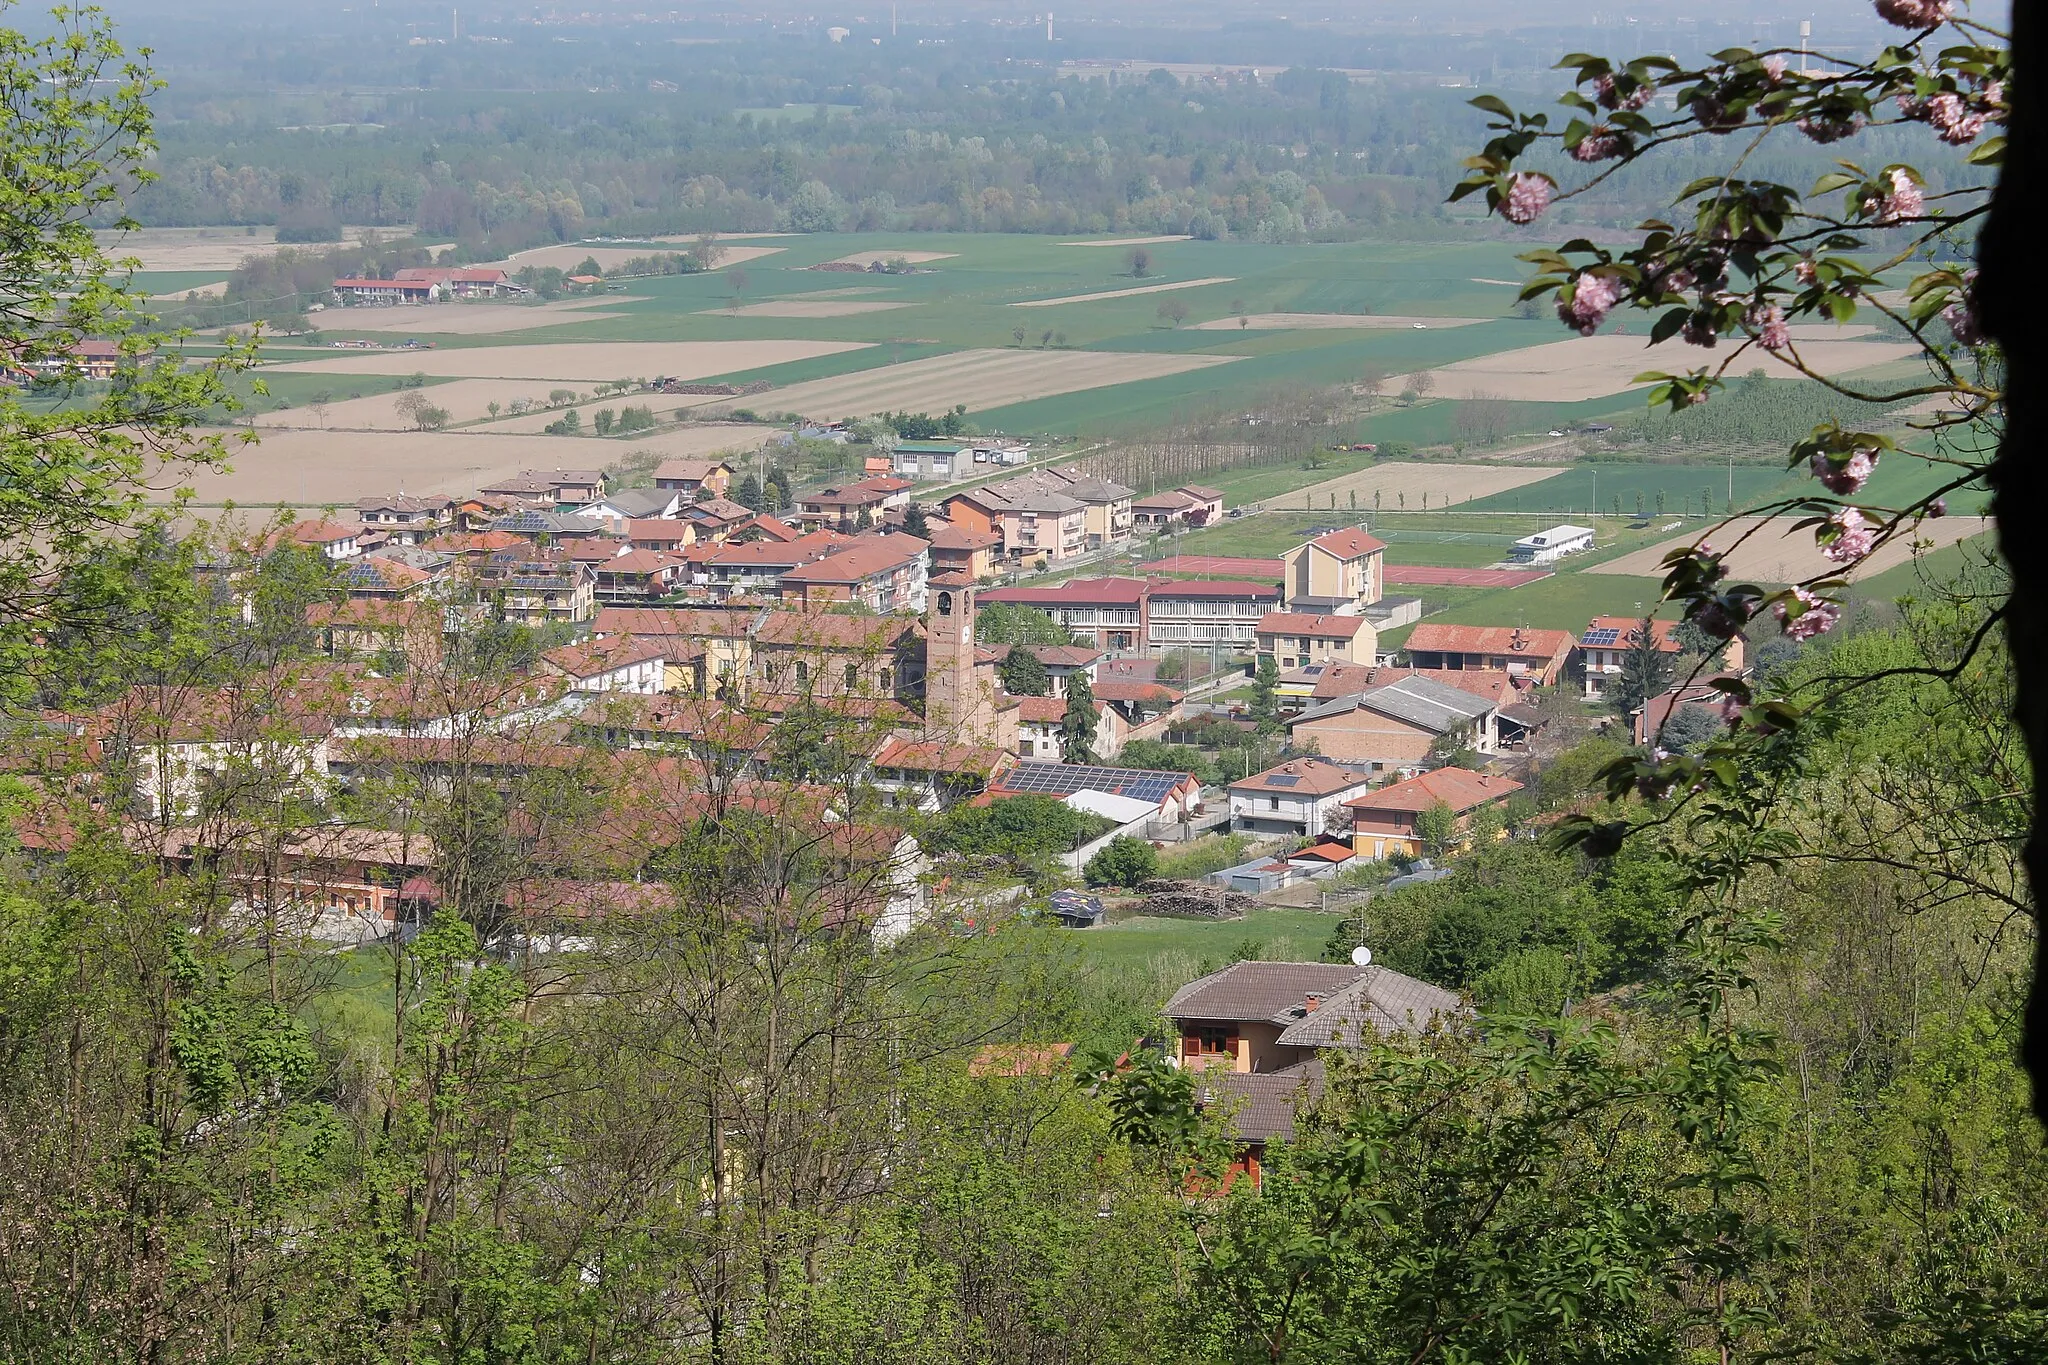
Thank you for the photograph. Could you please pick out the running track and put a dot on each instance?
(1436, 576)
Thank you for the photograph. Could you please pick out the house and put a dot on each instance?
(333, 541)
(669, 535)
(1535, 657)
(1297, 640)
(381, 577)
(566, 488)
(817, 654)
(1108, 613)
(1049, 512)
(756, 568)
(885, 573)
(532, 524)
(467, 282)
(532, 587)
(1039, 720)
(707, 650)
(1301, 796)
(615, 665)
(1064, 661)
(1607, 641)
(410, 520)
(367, 627)
(927, 460)
(1175, 796)
(357, 290)
(853, 508)
(931, 775)
(1398, 724)
(1341, 571)
(1648, 720)
(638, 576)
(1108, 518)
(1387, 823)
(1045, 526)
(180, 747)
(1218, 617)
(619, 506)
(1547, 547)
(955, 549)
(1191, 505)
(719, 520)
(1251, 1032)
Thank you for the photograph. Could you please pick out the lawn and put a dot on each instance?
(1195, 946)
(1565, 601)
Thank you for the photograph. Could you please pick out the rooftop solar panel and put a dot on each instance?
(1606, 635)
(1063, 779)
(1282, 781)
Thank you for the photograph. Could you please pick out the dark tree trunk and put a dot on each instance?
(2008, 289)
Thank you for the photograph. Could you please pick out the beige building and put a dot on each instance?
(1296, 640)
(1344, 571)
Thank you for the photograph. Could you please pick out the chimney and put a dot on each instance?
(1313, 1002)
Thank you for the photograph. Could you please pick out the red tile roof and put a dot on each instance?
(1216, 589)
(1312, 777)
(1316, 627)
(1122, 592)
(1041, 710)
(591, 658)
(1627, 626)
(863, 558)
(1349, 544)
(1459, 788)
(1511, 641)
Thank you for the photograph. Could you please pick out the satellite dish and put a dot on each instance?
(1361, 956)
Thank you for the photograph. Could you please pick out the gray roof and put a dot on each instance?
(1257, 990)
(1046, 502)
(1262, 1104)
(643, 502)
(1097, 490)
(1382, 998)
(546, 523)
(1425, 702)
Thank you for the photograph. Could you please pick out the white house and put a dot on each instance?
(1547, 547)
(1302, 796)
(612, 665)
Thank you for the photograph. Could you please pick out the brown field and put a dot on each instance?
(569, 255)
(1130, 241)
(1287, 322)
(1778, 554)
(1595, 367)
(1125, 293)
(580, 362)
(907, 257)
(211, 290)
(980, 379)
(466, 400)
(311, 469)
(206, 248)
(470, 319)
(1446, 485)
(804, 308)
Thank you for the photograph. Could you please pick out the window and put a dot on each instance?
(803, 673)
(1212, 1040)
(1272, 803)
(852, 677)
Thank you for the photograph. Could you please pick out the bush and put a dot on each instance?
(1125, 861)
(1211, 855)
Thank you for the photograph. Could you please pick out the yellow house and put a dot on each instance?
(1344, 570)
(1296, 640)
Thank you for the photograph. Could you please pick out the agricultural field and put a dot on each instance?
(1772, 552)
(577, 362)
(1395, 486)
(1352, 322)
(484, 319)
(569, 255)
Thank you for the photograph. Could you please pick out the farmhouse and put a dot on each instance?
(1386, 823)
(382, 292)
(479, 282)
(1395, 725)
(1342, 571)
(1295, 640)
(1547, 547)
(1301, 796)
(1534, 657)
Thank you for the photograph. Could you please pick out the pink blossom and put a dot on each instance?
(1855, 536)
(1963, 322)
(1993, 93)
(1804, 272)
(1609, 94)
(1847, 477)
(1816, 616)
(1731, 711)
(1772, 331)
(1896, 204)
(1951, 118)
(1698, 331)
(1775, 69)
(1938, 508)
(1693, 400)
(1721, 617)
(1592, 297)
(1528, 195)
(1602, 144)
(1825, 128)
(1715, 116)
(1911, 107)
(1915, 13)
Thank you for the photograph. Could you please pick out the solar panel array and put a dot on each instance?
(1064, 779)
(1282, 781)
(1606, 635)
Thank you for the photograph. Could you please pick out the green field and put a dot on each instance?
(1144, 943)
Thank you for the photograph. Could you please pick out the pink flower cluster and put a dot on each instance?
(1609, 94)
(1816, 615)
(1855, 536)
(1528, 195)
(1961, 315)
(1951, 118)
(1897, 203)
(1772, 331)
(1715, 116)
(1915, 13)
(1847, 477)
(1593, 296)
(1775, 69)
(1602, 144)
(1699, 331)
